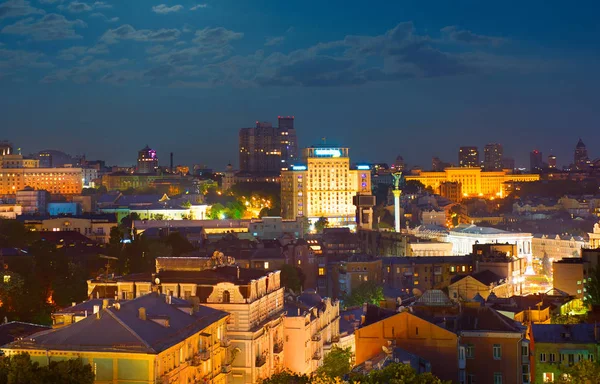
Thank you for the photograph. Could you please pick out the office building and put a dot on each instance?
(399, 164)
(474, 182)
(151, 339)
(324, 186)
(147, 161)
(32, 201)
(451, 190)
(551, 161)
(580, 157)
(492, 157)
(508, 163)
(536, 163)
(468, 157)
(267, 149)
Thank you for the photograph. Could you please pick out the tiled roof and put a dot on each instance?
(563, 333)
(484, 318)
(486, 277)
(474, 229)
(434, 297)
(9, 332)
(123, 330)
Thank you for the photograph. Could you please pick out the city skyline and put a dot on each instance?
(185, 78)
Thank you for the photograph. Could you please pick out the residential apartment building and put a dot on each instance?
(311, 326)
(146, 340)
(423, 273)
(354, 271)
(556, 347)
(473, 181)
(555, 247)
(569, 275)
(96, 228)
(253, 299)
(267, 149)
(483, 283)
(323, 186)
(468, 157)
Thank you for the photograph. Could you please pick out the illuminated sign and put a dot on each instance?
(363, 167)
(298, 167)
(328, 152)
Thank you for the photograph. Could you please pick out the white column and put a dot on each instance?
(397, 193)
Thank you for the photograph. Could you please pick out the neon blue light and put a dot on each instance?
(328, 152)
(298, 167)
(363, 167)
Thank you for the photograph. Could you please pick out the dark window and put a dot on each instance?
(226, 297)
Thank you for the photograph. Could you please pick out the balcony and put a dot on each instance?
(278, 347)
(204, 355)
(335, 339)
(225, 343)
(316, 337)
(525, 359)
(261, 360)
(226, 368)
(317, 356)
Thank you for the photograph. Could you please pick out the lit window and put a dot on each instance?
(321, 271)
(266, 265)
(6, 279)
(548, 377)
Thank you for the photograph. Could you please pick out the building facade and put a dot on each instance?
(492, 157)
(324, 186)
(267, 149)
(147, 160)
(468, 157)
(147, 340)
(474, 182)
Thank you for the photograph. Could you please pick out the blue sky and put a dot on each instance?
(386, 78)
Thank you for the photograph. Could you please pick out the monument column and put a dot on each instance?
(397, 193)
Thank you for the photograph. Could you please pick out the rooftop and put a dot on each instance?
(563, 333)
(120, 328)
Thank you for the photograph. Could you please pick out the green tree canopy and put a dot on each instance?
(368, 292)
(292, 277)
(321, 224)
(337, 363)
(19, 369)
(584, 372)
(592, 287)
(396, 373)
(287, 377)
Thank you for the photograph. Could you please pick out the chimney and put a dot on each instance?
(169, 298)
(86, 313)
(96, 309)
(142, 313)
(73, 304)
(238, 272)
(104, 303)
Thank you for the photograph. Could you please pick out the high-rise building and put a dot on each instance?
(324, 186)
(580, 158)
(147, 161)
(552, 162)
(536, 163)
(468, 157)
(508, 163)
(288, 141)
(492, 157)
(399, 164)
(268, 149)
(438, 165)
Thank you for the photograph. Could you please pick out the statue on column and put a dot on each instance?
(398, 179)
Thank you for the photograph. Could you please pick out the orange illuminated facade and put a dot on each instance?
(473, 181)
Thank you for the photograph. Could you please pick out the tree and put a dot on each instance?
(179, 244)
(216, 211)
(19, 369)
(321, 224)
(72, 371)
(395, 373)
(287, 377)
(367, 292)
(592, 287)
(292, 277)
(337, 363)
(584, 372)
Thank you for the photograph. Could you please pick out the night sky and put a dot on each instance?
(416, 78)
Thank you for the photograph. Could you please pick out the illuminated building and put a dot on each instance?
(492, 157)
(451, 190)
(399, 164)
(97, 228)
(32, 201)
(324, 186)
(468, 157)
(551, 161)
(17, 173)
(580, 157)
(120, 181)
(253, 298)
(147, 161)
(595, 237)
(152, 339)
(288, 141)
(473, 181)
(535, 161)
(5, 148)
(261, 148)
(557, 246)
(310, 328)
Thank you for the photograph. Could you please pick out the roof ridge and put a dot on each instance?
(501, 317)
(128, 328)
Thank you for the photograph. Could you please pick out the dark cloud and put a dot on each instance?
(127, 32)
(119, 77)
(84, 73)
(79, 7)
(72, 53)
(18, 8)
(49, 27)
(16, 59)
(464, 36)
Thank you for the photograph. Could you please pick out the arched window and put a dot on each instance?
(226, 297)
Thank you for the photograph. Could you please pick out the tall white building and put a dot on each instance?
(323, 186)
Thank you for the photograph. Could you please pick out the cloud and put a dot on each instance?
(85, 73)
(119, 77)
(49, 27)
(155, 49)
(104, 17)
(455, 34)
(17, 59)
(127, 32)
(18, 8)
(72, 53)
(271, 41)
(101, 5)
(163, 9)
(198, 6)
(76, 7)
(50, 1)
(216, 37)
